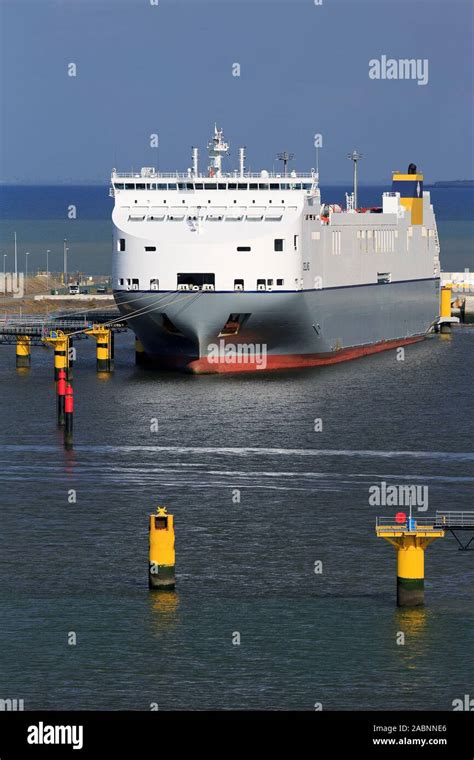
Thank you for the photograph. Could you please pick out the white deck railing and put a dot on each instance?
(224, 175)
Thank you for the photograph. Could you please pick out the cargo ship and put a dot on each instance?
(236, 271)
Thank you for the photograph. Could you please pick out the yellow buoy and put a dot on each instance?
(161, 572)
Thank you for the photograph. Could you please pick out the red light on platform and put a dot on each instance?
(400, 517)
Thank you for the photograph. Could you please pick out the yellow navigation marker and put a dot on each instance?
(23, 355)
(161, 573)
(105, 347)
(410, 539)
(60, 342)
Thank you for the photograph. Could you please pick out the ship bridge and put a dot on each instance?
(215, 179)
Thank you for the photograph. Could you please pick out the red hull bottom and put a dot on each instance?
(283, 361)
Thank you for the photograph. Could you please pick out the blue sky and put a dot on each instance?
(167, 69)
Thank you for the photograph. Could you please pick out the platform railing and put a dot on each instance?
(427, 524)
(439, 521)
(205, 178)
(455, 519)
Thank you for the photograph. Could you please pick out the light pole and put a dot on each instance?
(26, 270)
(65, 250)
(4, 265)
(47, 268)
(355, 157)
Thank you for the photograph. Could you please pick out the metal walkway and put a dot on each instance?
(456, 521)
(38, 327)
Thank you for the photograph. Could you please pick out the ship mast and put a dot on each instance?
(217, 147)
(286, 158)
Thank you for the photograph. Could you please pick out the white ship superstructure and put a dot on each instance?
(258, 259)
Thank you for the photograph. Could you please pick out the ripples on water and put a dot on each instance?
(245, 567)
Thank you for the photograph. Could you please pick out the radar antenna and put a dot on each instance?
(286, 158)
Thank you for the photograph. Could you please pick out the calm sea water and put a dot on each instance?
(242, 568)
(245, 567)
(39, 215)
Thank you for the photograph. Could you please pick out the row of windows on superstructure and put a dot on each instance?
(213, 185)
(278, 245)
(133, 283)
(231, 215)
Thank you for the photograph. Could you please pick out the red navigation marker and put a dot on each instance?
(400, 517)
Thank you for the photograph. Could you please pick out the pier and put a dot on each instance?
(13, 327)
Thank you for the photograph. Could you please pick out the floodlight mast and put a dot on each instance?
(355, 157)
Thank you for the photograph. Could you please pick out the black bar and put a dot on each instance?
(330, 734)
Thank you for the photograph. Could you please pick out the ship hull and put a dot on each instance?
(186, 331)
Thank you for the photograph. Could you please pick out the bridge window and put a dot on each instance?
(238, 284)
(242, 186)
(274, 187)
(209, 186)
(280, 283)
(154, 284)
(172, 186)
(253, 186)
(140, 186)
(150, 248)
(262, 187)
(199, 186)
(121, 244)
(278, 244)
(130, 186)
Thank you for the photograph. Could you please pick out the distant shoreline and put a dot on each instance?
(453, 183)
